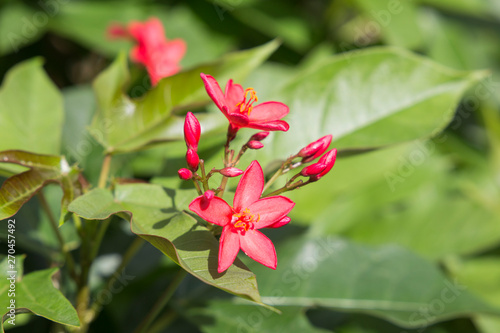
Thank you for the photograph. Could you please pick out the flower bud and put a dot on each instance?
(315, 149)
(254, 144)
(231, 172)
(208, 195)
(185, 174)
(313, 169)
(192, 131)
(192, 159)
(280, 223)
(329, 160)
(259, 136)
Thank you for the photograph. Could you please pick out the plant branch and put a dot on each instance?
(103, 177)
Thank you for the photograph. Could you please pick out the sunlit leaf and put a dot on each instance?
(155, 213)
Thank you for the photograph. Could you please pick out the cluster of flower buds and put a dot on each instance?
(192, 132)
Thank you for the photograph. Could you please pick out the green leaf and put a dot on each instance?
(229, 316)
(360, 98)
(18, 27)
(18, 189)
(387, 282)
(398, 22)
(124, 124)
(31, 110)
(155, 214)
(36, 293)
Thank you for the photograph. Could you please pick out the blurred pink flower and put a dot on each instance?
(241, 222)
(237, 105)
(159, 55)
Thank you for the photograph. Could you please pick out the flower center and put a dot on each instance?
(246, 105)
(244, 221)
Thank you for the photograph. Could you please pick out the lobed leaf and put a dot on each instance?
(155, 214)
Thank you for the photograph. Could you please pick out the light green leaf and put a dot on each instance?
(388, 282)
(18, 26)
(18, 189)
(35, 293)
(124, 124)
(31, 111)
(155, 213)
(369, 99)
(397, 21)
(228, 316)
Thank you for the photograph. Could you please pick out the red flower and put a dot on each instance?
(160, 56)
(242, 221)
(237, 105)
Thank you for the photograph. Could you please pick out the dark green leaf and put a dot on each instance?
(388, 282)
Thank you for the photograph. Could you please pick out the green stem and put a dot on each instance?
(161, 302)
(287, 187)
(204, 179)
(134, 247)
(99, 237)
(103, 177)
(195, 182)
(62, 245)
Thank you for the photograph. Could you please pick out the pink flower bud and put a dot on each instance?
(208, 195)
(280, 223)
(255, 144)
(192, 159)
(313, 169)
(259, 136)
(192, 131)
(315, 149)
(329, 160)
(231, 172)
(185, 174)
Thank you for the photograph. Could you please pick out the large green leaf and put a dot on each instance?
(31, 110)
(368, 99)
(388, 282)
(124, 124)
(226, 316)
(18, 189)
(155, 213)
(35, 293)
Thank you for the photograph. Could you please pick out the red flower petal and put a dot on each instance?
(228, 248)
(260, 248)
(234, 94)
(280, 223)
(268, 111)
(214, 90)
(250, 187)
(237, 119)
(271, 210)
(215, 211)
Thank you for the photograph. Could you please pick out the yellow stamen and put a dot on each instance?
(245, 105)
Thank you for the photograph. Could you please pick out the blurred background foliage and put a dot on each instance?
(408, 214)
